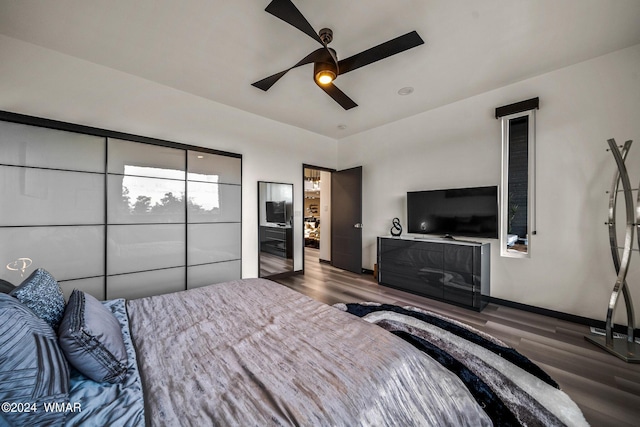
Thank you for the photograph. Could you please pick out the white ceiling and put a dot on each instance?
(215, 49)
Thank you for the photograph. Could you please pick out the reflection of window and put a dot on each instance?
(517, 193)
(143, 195)
(203, 178)
(204, 192)
(157, 172)
(204, 197)
(144, 192)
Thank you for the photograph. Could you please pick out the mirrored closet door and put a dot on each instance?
(116, 217)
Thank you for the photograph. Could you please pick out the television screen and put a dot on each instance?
(468, 212)
(277, 212)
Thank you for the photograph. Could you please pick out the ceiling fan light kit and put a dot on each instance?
(324, 72)
(326, 67)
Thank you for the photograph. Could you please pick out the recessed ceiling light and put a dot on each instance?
(201, 157)
(342, 127)
(405, 90)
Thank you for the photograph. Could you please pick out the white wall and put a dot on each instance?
(458, 145)
(45, 83)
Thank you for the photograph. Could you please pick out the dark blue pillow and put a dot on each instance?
(90, 337)
(32, 366)
(6, 287)
(42, 294)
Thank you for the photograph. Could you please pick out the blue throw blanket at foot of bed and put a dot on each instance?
(511, 389)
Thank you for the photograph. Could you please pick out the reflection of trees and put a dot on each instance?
(196, 208)
(125, 196)
(142, 205)
(169, 203)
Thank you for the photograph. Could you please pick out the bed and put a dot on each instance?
(253, 352)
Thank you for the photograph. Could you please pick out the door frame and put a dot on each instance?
(320, 168)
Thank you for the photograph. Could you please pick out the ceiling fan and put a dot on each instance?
(326, 66)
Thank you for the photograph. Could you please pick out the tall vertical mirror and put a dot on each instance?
(275, 230)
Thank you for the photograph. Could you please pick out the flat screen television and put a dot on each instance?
(465, 212)
(277, 212)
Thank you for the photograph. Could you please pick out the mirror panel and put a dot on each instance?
(139, 247)
(215, 168)
(39, 147)
(214, 202)
(137, 200)
(212, 243)
(145, 283)
(133, 158)
(275, 230)
(50, 197)
(92, 285)
(200, 275)
(68, 252)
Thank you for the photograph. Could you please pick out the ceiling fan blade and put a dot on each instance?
(290, 14)
(267, 82)
(381, 51)
(339, 96)
(318, 55)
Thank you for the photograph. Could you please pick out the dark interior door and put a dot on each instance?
(346, 219)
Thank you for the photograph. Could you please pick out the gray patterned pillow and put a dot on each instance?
(42, 294)
(6, 287)
(91, 339)
(32, 366)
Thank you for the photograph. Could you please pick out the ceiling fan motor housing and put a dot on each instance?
(326, 35)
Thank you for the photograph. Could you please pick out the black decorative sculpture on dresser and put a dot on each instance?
(396, 230)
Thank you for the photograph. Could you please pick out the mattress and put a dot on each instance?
(253, 352)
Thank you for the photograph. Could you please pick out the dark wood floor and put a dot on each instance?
(272, 264)
(606, 388)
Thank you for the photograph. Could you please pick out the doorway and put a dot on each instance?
(333, 217)
(317, 213)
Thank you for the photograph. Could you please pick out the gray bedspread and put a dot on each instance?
(255, 353)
